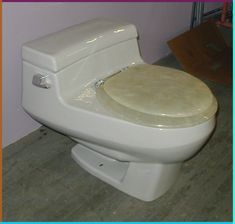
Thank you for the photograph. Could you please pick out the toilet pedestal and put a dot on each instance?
(145, 181)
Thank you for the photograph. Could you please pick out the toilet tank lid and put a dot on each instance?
(58, 50)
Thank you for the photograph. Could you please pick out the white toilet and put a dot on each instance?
(135, 123)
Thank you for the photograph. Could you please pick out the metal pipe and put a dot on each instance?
(193, 15)
(200, 12)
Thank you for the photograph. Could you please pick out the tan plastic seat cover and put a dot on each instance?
(157, 96)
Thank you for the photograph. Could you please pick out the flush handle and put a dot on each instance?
(41, 81)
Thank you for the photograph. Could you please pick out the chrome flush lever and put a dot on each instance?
(41, 81)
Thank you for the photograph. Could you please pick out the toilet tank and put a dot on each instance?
(114, 42)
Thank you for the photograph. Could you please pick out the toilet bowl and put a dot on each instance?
(134, 123)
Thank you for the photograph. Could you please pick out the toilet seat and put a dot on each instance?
(157, 96)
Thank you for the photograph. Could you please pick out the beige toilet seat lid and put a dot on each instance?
(157, 96)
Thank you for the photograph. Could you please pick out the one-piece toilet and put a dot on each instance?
(134, 123)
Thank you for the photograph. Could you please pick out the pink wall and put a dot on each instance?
(156, 23)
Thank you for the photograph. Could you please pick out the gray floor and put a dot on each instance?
(43, 183)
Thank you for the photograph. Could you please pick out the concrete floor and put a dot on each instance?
(42, 183)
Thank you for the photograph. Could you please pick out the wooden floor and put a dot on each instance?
(42, 183)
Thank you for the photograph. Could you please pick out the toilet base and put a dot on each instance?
(145, 181)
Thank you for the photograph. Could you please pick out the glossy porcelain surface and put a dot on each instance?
(84, 119)
(62, 73)
(70, 104)
(60, 49)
